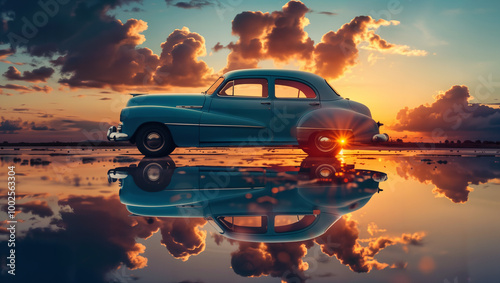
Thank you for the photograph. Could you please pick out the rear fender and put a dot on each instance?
(355, 126)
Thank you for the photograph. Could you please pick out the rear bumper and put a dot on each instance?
(114, 135)
(380, 138)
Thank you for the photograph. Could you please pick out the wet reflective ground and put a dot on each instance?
(252, 215)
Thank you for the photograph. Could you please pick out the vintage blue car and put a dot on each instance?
(255, 107)
(258, 204)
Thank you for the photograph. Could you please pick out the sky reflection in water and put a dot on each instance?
(431, 222)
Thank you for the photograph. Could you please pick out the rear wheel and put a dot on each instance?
(322, 144)
(154, 141)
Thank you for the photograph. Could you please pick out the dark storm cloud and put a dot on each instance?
(95, 50)
(96, 237)
(453, 179)
(280, 36)
(452, 114)
(39, 128)
(4, 53)
(10, 126)
(192, 4)
(37, 75)
(36, 207)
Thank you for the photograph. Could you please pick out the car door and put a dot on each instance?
(239, 113)
(292, 98)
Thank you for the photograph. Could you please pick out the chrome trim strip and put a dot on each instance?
(328, 129)
(214, 125)
(189, 106)
(181, 124)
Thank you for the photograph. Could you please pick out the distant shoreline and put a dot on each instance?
(386, 145)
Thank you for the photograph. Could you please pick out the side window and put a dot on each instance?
(292, 89)
(245, 88)
(290, 223)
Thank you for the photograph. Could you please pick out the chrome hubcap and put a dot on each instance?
(153, 172)
(325, 171)
(325, 143)
(154, 141)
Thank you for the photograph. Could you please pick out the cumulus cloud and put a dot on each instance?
(453, 179)
(93, 49)
(280, 36)
(282, 260)
(342, 241)
(178, 63)
(37, 75)
(182, 236)
(451, 115)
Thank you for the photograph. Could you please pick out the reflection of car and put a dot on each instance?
(248, 108)
(274, 204)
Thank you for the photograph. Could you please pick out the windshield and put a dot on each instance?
(215, 86)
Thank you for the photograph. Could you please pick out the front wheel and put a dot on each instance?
(154, 141)
(322, 144)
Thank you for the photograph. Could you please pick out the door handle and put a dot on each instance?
(314, 103)
(265, 103)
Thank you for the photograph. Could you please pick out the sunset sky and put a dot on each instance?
(428, 70)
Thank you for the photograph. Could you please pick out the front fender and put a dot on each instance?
(183, 123)
(360, 127)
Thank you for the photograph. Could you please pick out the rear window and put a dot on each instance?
(292, 89)
(245, 224)
(332, 88)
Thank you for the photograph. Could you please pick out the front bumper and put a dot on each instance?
(115, 135)
(117, 174)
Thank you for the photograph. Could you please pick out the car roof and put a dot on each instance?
(318, 82)
(274, 72)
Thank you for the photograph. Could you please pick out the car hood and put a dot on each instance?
(173, 100)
